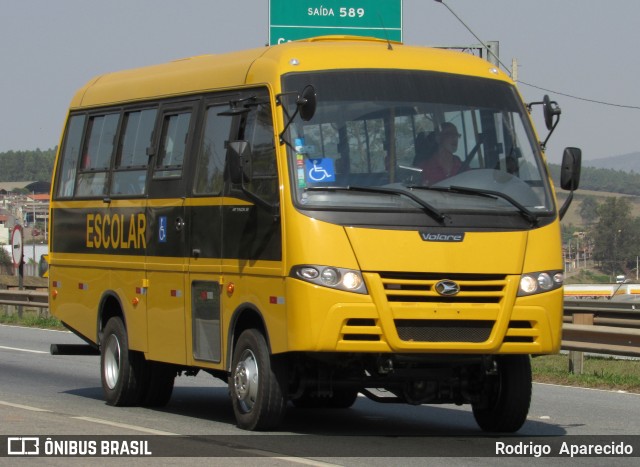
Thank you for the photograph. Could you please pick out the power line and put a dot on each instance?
(594, 101)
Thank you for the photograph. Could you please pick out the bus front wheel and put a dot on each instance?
(122, 370)
(508, 397)
(256, 384)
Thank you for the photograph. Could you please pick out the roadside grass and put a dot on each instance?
(598, 372)
(31, 319)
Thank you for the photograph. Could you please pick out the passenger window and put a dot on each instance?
(173, 145)
(70, 156)
(96, 155)
(101, 133)
(212, 152)
(130, 172)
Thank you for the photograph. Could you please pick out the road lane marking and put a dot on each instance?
(25, 407)
(22, 350)
(124, 425)
(31, 328)
(612, 391)
(305, 461)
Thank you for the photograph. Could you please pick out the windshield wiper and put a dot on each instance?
(526, 213)
(426, 207)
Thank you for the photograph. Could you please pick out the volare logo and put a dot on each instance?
(442, 236)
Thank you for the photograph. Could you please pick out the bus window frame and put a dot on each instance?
(166, 111)
(117, 169)
(60, 192)
(85, 172)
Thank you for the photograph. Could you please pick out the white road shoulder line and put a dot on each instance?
(22, 350)
(124, 425)
(25, 407)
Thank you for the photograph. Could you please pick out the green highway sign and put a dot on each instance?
(291, 20)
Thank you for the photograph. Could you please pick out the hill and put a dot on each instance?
(624, 162)
(605, 180)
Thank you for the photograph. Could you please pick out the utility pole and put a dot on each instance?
(493, 53)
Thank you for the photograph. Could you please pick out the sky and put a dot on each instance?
(581, 48)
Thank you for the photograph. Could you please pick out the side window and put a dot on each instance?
(96, 155)
(130, 171)
(211, 155)
(173, 144)
(68, 163)
(259, 133)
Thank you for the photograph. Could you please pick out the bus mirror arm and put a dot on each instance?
(306, 103)
(570, 175)
(551, 112)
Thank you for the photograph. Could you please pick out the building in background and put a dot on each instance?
(25, 204)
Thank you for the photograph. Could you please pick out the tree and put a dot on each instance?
(615, 235)
(589, 210)
(6, 262)
(27, 165)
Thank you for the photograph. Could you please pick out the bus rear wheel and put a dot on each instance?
(122, 370)
(256, 384)
(508, 397)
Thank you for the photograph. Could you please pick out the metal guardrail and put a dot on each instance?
(32, 298)
(598, 326)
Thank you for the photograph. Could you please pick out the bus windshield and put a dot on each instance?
(402, 140)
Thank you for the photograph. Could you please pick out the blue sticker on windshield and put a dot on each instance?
(320, 170)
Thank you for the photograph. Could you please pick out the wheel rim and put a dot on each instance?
(112, 361)
(245, 380)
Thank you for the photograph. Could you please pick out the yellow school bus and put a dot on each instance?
(309, 222)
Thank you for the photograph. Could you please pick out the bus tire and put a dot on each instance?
(161, 378)
(122, 370)
(509, 396)
(256, 384)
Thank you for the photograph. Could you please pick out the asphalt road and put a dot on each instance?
(56, 396)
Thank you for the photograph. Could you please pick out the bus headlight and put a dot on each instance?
(538, 282)
(329, 276)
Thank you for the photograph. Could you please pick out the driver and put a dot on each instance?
(442, 163)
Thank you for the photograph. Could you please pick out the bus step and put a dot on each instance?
(73, 349)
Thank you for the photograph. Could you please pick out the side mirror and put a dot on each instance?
(570, 175)
(307, 103)
(570, 169)
(239, 161)
(551, 111)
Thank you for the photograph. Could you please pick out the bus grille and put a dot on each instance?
(443, 330)
(420, 287)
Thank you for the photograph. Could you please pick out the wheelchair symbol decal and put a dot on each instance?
(320, 170)
(162, 229)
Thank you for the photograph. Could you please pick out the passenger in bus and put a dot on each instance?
(425, 146)
(442, 162)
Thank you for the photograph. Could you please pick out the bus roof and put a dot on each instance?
(264, 65)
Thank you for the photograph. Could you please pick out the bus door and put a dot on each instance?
(204, 214)
(235, 227)
(167, 248)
